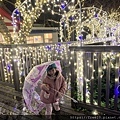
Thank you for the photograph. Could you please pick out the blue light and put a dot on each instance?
(59, 44)
(118, 90)
(8, 67)
(17, 11)
(71, 18)
(48, 47)
(14, 108)
(63, 5)
(96, 15)
(81, 37)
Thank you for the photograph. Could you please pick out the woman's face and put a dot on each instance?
(52, 72)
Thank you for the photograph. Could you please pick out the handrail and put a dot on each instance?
(33, 45)
(94, 48)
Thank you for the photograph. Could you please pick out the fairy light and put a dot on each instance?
(102, 16)
(44, 52)
(95, 112)
(24, 54)
(94, 16)
(105, 55)
(80, 74)
(29, 17)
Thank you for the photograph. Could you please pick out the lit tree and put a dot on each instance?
(82, 22)
(90, 23)
(29, 12)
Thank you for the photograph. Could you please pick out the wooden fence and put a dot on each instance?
(95, 78)
(16, 61)
(93, 71)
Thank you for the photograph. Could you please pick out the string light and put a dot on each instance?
(96, 20)
(95, 112)
(74, 17)
(32, 55)
(30, 13)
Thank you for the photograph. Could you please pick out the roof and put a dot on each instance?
(6, 14)
(2, 5)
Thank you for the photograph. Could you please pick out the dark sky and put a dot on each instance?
(9, 4)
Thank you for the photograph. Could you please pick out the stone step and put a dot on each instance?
(8, 99)
(67, 110)
(6, 109)
(9, 91)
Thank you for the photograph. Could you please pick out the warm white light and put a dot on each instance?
(95, 112)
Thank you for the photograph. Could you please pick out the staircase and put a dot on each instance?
(11, 103)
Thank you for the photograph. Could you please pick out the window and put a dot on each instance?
(30, 40)
(34, 39)
(48, 37)
(38, 39)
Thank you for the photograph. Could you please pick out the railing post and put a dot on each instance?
(2, 70)
(99, 77)
(107, 82)
(91, 77)
(73, 77)
(15, 72)
(117, 69)
(85, 76)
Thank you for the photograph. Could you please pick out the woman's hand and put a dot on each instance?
(45, 87)
(59, 95)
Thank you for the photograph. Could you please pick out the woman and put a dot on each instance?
(52, 89)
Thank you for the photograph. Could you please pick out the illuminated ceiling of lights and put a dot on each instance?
(107, 5)
(69, 15)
